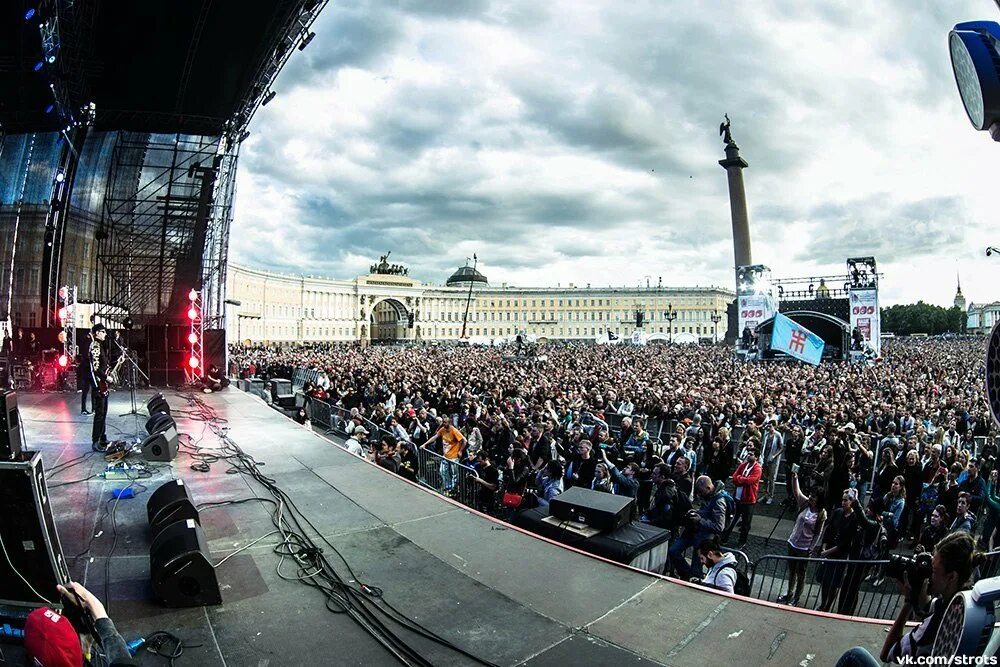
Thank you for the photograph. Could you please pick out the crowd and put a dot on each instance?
(868, 457)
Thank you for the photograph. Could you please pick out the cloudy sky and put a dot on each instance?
(577, 142)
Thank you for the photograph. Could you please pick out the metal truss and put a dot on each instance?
(294, 31)
(165, 225)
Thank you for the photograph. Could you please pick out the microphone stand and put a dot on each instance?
(133, 367)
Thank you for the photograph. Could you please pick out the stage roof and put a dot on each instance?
(151, 66)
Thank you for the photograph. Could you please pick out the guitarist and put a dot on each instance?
(97, 361)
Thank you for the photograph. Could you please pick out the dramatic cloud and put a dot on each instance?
(577, 142)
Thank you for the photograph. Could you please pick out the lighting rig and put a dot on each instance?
(194, 370)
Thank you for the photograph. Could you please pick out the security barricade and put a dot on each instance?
(849, 585)
(451, 478)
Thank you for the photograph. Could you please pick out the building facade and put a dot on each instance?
(980, 318)
(391, 306)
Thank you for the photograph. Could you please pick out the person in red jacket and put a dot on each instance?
(746, 477)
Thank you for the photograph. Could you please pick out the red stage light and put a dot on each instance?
(192, 338)
(193, 362)
(62, 313)
(192, 313)
(63, 360)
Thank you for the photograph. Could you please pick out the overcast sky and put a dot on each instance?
(577, 142)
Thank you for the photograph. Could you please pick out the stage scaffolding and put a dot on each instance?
(165, 225)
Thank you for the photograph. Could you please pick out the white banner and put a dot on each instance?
(865, 315)
(752, 309)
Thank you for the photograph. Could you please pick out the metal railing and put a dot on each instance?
(448, 477)
(835, 585)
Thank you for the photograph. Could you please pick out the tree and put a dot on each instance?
(922, 317)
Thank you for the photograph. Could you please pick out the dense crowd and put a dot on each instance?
(870, 455)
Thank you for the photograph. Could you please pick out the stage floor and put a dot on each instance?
(494, 591)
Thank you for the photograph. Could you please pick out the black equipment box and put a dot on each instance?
(604, 511)
(32, 560)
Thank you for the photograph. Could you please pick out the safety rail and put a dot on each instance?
(847, 586)
(448, 477)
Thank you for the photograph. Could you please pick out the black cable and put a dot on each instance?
(363, 602)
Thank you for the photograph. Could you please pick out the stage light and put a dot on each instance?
(63, 291)
(60, 176)
(39, 65)
(305, 42)
(50, 59)
(63, 360)
(192, 338)
(30, 14)
(63, 313)
(193, 295)
(61, 337)
(193, 362)
(192, 314)
(267, 98)
(49, 108)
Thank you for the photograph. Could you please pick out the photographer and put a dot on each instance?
(50, 639)
(955, 558)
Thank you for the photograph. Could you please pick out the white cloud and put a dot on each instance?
(577, 142)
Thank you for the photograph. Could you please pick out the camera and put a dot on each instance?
(916, 568)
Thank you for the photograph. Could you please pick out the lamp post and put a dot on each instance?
(716, 318)
(670, 316)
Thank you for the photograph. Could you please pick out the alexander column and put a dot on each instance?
(734, 166)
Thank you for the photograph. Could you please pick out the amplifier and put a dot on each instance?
(604, 511)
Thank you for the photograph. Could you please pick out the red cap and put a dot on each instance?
(50, 640)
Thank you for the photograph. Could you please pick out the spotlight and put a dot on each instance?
(63, 360)
(305, 41)
(50, 59)
(63, 291)
(50, 108)
(39, 65)
(193, 295)
(63, 313)
(192, 313)
(193, 362)
(267, 98)
(192, 338)
(243, 136)
(30, 14)
(127, 323)
(60, 176)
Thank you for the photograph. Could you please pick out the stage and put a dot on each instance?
(493, 590)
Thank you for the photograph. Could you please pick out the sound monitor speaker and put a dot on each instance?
(11, 438)
(604, 511)
(169, 504)
(157, 404)
(31, 560)
(159, 422)
(161, 446)
(179, 569)
(993, 372)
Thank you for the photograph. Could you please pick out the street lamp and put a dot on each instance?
(670, 316)
(716, 318)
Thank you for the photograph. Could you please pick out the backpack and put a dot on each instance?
(730, 514)
(742, 584)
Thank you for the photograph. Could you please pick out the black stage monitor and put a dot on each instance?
(604, 511)
(31, 558)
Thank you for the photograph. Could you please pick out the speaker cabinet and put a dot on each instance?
(169, 504)
(159, 422)
(180, 572)
(11, 438)
(157, 404)
(29, 537)
(161, 446)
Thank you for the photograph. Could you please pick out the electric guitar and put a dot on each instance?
(105, 386)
